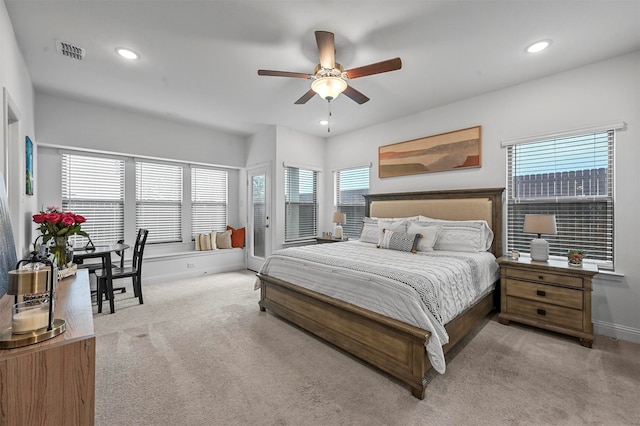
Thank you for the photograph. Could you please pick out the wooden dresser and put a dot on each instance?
(52, 382)
(550, 295)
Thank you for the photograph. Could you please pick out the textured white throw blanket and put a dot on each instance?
(426, 289)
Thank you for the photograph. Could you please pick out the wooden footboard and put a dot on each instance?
(392, 346)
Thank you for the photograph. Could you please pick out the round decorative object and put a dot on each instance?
(575, 257)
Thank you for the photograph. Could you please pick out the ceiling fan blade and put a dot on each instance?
(283, 74)
(377, 68)
(326, 49)
(355, 95)
(304, 98)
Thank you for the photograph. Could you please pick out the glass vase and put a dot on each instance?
(62, 256)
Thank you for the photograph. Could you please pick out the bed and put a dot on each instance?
(389, 342)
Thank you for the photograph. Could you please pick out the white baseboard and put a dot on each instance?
(621, 332)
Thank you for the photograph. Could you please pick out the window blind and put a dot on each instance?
(94, 188)
(159, 201)
(208, 200)
(301, 209)
(350, 186)
(572, 178)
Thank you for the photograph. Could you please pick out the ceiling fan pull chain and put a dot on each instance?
(329, 118)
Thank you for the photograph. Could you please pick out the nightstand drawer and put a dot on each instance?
(545, 293)
(547, 277)
(546, 313)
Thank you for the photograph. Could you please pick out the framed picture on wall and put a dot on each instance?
(455, 150)
(29, 168)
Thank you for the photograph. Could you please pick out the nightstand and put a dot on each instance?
(550, 295)
(325, 240)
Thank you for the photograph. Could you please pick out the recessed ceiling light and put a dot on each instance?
(127, 53)
(538, 46)
(324, 122)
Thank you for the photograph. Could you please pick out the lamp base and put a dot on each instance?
(337, 232)
(9, 340)
(539, 250)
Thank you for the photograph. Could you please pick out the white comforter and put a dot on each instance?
(426, 289)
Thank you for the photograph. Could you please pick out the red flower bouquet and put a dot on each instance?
(55, 223)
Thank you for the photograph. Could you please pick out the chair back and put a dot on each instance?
(138, 249)
(120, 253)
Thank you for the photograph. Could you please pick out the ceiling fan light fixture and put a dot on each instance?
(329, 87)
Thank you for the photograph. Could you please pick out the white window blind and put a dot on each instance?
(351, 185)
(208, 200)
(301, 208)
(572, 178)
(159, 201)
(94, 188)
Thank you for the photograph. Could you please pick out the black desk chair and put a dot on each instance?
(93, 267)
(134, 272)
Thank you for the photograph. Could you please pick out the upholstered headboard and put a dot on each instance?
(458, 204)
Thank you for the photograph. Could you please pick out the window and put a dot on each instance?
(159, 201)
(208, 200)
(572, 178)
(99, 197)
(351, 185)
(301, 208)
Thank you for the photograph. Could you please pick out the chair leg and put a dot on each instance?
(110, 292)
(138, 286)
(100, 294)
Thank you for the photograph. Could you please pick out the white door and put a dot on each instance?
(258, 230)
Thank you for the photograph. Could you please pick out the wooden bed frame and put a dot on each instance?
(392, 346)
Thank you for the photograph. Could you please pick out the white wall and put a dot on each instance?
(15, 78)
(68, 123)
(599, 93)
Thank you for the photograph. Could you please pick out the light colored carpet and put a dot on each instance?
(199, 352)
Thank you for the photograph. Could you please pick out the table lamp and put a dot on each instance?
(540, 224)
(338, 218)
(32, 321)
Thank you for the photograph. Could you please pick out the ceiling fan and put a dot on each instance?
(329, 77)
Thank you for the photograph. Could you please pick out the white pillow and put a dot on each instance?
(462, 235)
(398, 225)
(429, 235)
(393, 219)
(205, 241)
(369, 232)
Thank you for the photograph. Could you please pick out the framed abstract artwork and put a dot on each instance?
(29, 168)
(455, 150)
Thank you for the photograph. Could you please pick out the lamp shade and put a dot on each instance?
(339, 217)
(540, 224)
(329, 87)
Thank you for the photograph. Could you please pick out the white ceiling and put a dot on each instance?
(200, 58)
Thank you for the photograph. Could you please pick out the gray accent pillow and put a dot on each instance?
(401, 241)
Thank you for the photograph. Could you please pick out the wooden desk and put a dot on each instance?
(52, 382)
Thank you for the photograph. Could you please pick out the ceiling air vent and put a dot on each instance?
(69, 50)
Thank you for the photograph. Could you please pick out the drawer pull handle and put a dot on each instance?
(542, 312)
(541, 293)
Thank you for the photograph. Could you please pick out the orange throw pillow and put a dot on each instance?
(237, 237)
